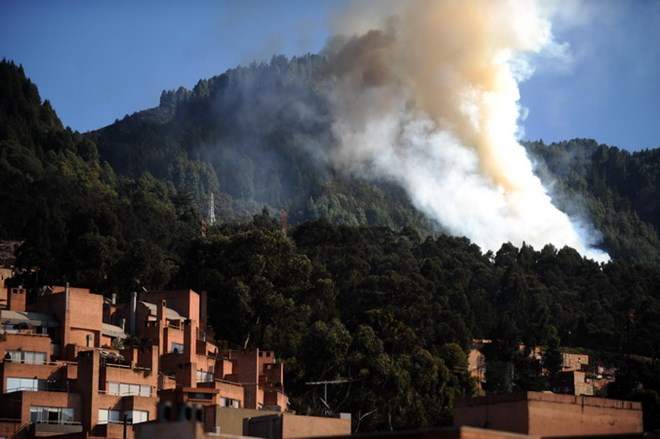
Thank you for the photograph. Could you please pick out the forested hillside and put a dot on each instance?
(251, 136)
(254, 135)
(616, 190)
(81, 222)
(394, 314)
(388, 309)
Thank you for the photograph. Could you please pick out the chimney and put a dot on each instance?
(132, 311)
(16, 299)
(161, 313)
(190, 344)
(203, 315)
(66, 296)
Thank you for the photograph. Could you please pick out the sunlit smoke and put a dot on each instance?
(429, 98)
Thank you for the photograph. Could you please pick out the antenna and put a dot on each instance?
(324, 400)
(210, 214)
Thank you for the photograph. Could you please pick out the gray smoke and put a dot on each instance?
(429, 98)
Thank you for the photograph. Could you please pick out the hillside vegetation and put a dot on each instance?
(254, 136)
(359, 287)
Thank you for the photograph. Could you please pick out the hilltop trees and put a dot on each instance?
(79, 221)
(617, 190)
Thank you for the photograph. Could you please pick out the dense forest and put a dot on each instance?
(359, 287)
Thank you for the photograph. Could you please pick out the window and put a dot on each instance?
(107, 416)
(114, 416)
(27, 357)
(177, 348)
(129, 389)
(113, 388)
(229, 402)
(126, 389)
(103, 416)
(25, 384)
(137, 415)
(204, 377)
(145, 391)
(51, 415)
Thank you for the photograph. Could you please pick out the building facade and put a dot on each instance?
(549, 414)
(76, 363)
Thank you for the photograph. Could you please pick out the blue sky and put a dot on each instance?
(98, 60)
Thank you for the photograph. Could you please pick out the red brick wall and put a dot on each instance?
(582, 415)
(50, 399)
(548, 414)
(185, 302)
(294, 426)
(26, 342)
(233, 391)
(16, 299)
(40, 371)
(86, 311)
(503, 412)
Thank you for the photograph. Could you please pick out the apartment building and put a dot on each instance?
(76, 363)
(576, 377)
(59, 373)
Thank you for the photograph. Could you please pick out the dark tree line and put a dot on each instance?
(393, 315)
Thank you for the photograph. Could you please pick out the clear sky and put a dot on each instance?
(99, 60)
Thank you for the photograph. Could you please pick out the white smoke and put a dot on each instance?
(430, 99)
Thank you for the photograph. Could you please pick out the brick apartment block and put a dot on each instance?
(81, 365)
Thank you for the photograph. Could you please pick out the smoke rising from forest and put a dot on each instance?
(429, 98)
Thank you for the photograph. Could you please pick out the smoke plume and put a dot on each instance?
(429, 98)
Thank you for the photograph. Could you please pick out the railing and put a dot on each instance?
(32, 389)
(60, 422)
(129, 393)
(122, 366)
(24, 332)
(22, 389)
(39, 363)
(170, 324)
(119, 422)
(219, 380)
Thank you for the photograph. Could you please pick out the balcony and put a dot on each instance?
(45, 428)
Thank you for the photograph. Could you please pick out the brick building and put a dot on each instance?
(577, 376)
(77, 363)
(548, 414)
(59, 373)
